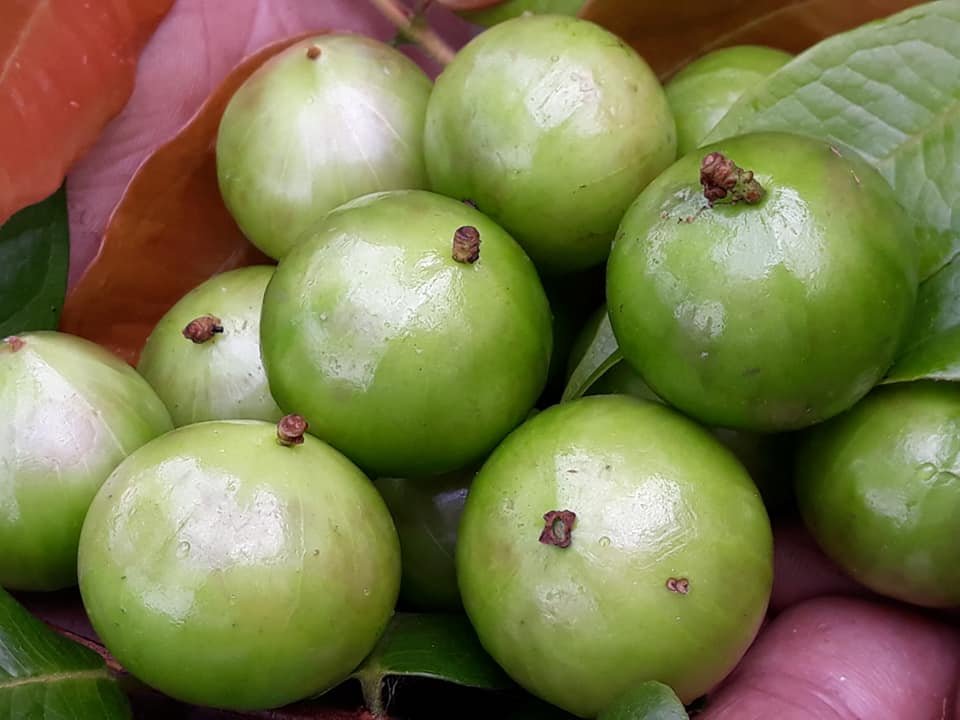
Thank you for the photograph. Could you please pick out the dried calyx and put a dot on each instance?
(202, 329)
(466, 244)
(724, 181)
(314, 51)
(14, 343)
(291, 429)
(558, 528)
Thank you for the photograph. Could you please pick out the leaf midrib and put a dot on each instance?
(95, 674)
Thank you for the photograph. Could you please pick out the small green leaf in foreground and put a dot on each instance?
(891, 91)
(648, 701)
(34, 255)
(440, 646)
(45, 676)
(602, 353)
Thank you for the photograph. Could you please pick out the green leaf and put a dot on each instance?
(932, 348)
(891, 91)
(45, 676)
(34, 255)
(648, 701)
(439, 646)
(602, 353)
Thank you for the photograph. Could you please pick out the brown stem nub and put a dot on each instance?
(202, 329)
(724, 181)
(314, 51)
(14, 343)
(558, 528)
(680, 586)
(291, 429)
(466, 244)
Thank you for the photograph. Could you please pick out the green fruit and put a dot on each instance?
(406, 360)
(770, 315)
(879, 489)
(669, 565)
(71, 412)
(551, 125)
(508, 9)
(703, 91)
(225, 569)
(216, 372)
(426, 512)
(325, 121)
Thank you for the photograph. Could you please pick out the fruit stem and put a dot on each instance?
(291, 429)
(558, 528)
(466, 244)
(413, 26)
(202, 329)
(725, 181)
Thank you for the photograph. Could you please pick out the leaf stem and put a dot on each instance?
(412, 26)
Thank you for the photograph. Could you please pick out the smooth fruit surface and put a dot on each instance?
(220, 377)
(669, 566)
(71, 412)
(879, 489)
(500, 12)
(770, 316)
(325, 121)
(552, 125)
(426, 512)
(703, 91)
(408, 361)
(215, 548)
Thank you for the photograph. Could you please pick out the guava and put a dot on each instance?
(203, 357)
(498, 12)
(879, 489)
(764, 282)
(329, 119)
(551, 125)
(426, 512)
(71, 412)
(609, 541)
(410, 330)
(703, 91)
(239, 564)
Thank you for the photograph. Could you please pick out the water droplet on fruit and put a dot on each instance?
(183, 548)
(323, 316)
(554, 58)
(928, 469)
(604, 541)
(366, 592)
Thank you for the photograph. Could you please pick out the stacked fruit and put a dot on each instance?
(427, 237)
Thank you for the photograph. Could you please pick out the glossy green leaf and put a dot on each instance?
(648, 701)
(44, 676)
(441, 647)
(602, 353)
(891, 91)
(34, 255)
(932, 348)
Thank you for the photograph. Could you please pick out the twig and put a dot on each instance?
(409, 25)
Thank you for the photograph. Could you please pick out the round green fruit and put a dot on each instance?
(203, 357)
(499, 12)
(879, 489)
(772, 308)
(426, 512)
(71, 412)
(325, 121)
(703, 91)
(552, 126)
(217, 546)
(609, 541)
(409, 361)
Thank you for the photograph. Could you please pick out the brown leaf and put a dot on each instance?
(170, 232)
(669, 36)
(66, 68)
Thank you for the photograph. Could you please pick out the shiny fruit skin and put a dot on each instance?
(772, 316)
(552, 125)
(227, 570)
(325, 121)
(426, 512)
(222, 378)
(409, 362)
(879, 489)
(509, 9)
(656, 498)
(72, 412)
(703, 91)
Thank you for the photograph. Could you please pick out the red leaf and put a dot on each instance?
(66, 68)
(170, 232)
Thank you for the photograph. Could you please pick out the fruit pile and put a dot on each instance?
(543, 344)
